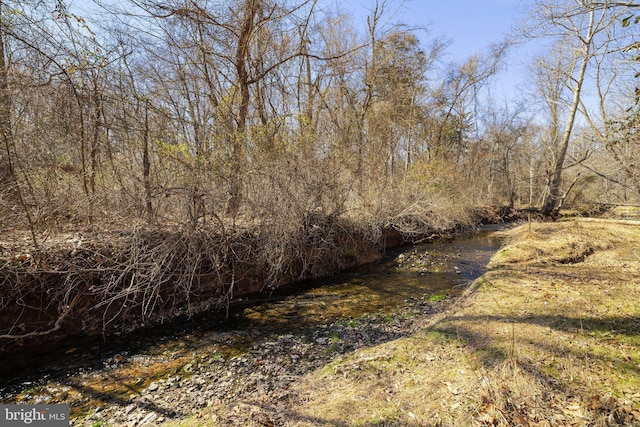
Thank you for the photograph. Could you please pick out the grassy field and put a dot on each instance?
(549, 336)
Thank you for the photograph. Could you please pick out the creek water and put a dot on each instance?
(430, 271)
(437, 269)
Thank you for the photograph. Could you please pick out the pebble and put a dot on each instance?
(262, 376)
(148, 419)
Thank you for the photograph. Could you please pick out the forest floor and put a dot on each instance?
(549, 336)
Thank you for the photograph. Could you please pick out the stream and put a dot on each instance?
(178, 368)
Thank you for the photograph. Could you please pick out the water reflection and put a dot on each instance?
(428, 269)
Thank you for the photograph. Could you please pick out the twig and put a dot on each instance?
(56, 326)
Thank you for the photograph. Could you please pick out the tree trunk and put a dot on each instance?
(7, 177)
(95, 141)
(238, 139)
(552, 199)
(8, 174)
(146, 165)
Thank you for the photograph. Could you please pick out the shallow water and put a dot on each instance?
(439, 270)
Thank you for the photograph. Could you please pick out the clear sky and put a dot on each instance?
(470, 25)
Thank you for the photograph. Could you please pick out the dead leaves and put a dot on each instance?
(558, 411)
(615, 411)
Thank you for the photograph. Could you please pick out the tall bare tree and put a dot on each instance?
(586, 26)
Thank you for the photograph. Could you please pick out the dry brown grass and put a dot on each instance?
(550, 336)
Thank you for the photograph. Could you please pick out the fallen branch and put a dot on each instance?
(56, 326)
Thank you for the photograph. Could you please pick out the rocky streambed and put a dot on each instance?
(243, 370)
(253, 388)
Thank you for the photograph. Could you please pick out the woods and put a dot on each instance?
(267, 134)
(173, 112)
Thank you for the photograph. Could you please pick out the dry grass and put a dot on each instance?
(550, 336)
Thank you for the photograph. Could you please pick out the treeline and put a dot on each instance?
(183, 112)
(281, 118)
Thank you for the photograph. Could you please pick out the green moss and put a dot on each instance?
(335, 336)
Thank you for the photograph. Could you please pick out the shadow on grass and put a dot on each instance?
(295, 418)
(626, 325)
(604, 329)
(577, 371)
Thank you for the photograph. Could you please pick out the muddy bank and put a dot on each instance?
(105, 283)
(101, 283)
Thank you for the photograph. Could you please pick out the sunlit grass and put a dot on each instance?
(549, 336)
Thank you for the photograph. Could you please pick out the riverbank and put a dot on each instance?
(549, 336)
(105, 282)
(168, 373)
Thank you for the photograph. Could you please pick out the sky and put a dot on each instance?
(470, 25)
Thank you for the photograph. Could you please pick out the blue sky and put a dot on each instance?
(470, 25)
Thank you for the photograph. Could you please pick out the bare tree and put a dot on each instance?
(623, 142)
(585, 26)
(455, 98)
(508, 132)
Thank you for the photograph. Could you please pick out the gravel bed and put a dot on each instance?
(255, 387)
